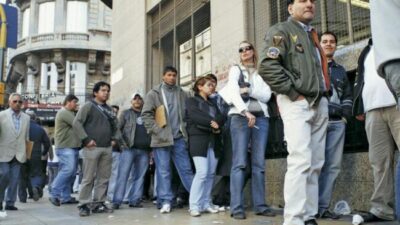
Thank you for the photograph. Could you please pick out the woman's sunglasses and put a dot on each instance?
(246, 48)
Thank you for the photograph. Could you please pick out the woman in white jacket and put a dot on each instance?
(248, 94)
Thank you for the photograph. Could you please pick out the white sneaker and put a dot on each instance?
(194, 213)
(166, 208)
(211, 209)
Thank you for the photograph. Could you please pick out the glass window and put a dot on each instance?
(46, 18)
(25, 22)
(77, 16)
(78, 80)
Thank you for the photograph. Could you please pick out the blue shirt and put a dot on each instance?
(16, 120)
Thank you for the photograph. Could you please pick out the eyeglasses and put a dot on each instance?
(246, 48)
(17, 101)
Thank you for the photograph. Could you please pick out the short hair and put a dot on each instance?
(98, 85)
(169, 69)
(12, 95)
(115, 107)
(200, 82)
(213, 77)
(70, 98)
(290, 2)
(330, 33)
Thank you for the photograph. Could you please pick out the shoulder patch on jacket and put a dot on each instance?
(273, 52)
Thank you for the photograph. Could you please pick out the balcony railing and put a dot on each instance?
(53, 37)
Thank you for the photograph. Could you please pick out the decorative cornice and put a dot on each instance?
(32, 62)
(59, 60)
(106, 64)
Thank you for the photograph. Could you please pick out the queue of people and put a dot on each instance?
(190, 133)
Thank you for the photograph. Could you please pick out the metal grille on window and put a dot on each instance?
(179, 35)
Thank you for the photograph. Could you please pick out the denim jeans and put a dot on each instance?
(397, 189)
(180, 156)
(333, 159)
(9, 176)
(242, 136)
(200, 192)
(114, 175)
(67, 166)
(138, 161)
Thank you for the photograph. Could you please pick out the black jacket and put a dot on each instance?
(341, 101)
(358, 106)
(198, 120)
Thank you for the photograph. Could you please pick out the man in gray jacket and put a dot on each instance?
(96, 125)
(14, 133)
(169, 141)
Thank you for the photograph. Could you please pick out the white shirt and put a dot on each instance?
(231, 92)
(376, 93)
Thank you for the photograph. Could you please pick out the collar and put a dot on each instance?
(17, 115)
(306, 28)
(333, 63)
(169, 87)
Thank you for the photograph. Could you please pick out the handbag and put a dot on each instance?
(253, 107)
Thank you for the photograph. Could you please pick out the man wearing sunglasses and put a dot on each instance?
(14, 133)
(295, 67)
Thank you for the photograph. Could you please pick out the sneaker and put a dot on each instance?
(136, 205)
(194, 213)
(84, 210)
(239, 216)
(211, 209)
(166, 208)
(102, 208)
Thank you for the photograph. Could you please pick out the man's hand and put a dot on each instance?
(251, 118)
(360, 117)
(214, 125)
(301, 97)
(91, 144)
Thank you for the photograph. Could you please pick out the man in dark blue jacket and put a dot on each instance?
(32, 176)
(340, 105)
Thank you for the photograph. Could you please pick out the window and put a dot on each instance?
(46, 18)
(25, 22)
(77, 16)
(78, 80)
(179, 35)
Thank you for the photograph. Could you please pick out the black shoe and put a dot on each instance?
(22, 201)
(55, 201)
(71, 201)
(267, 212)
(369, 217)
(102, 208)
(137, 205)
(328, 215)
(84, 210)
(115, 206)
(35, 194)
(11, 207)
(239, 216)
(1, 207)
(310, 222)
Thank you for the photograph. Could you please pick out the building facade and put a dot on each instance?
(64, 47)
(202, 36)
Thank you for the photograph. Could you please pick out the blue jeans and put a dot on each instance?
(9, 176)
(200, 192)
(333, 159)
(67, 166)
(138, 161)
(242, 135)
(397, 189)
(114, 175)
(180, 156)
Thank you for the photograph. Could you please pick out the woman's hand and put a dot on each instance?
(214, 125)
(251, 118)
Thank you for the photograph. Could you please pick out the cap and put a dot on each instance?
(136, 93)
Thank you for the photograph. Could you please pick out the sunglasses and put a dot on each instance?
(246, 48)
(17, 101)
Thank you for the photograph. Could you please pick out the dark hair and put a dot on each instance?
(115, 107)
(212, 77)
(169, 69)
(98, 85)
(200, 82)
(330, 33)
(290, 2)
(69, 98)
